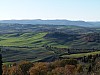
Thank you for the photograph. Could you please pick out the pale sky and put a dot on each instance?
(87, 10)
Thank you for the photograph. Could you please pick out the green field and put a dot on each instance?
(28, 42)
(27, 39)
(80, 54)
(31, 44)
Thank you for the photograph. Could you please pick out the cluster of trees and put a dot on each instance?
(58, 67)
(86, 66)
(89, 37)
(69, 50)
(92, 37)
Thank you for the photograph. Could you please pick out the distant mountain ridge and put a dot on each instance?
(54, 22)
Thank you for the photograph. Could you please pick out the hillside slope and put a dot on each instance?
(54, 22)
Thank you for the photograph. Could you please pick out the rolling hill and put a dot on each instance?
(54, 22)
(39, 42)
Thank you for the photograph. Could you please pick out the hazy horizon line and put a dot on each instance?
(53, 19)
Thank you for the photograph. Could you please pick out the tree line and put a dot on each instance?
(88, 65)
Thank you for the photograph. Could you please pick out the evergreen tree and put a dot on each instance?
(0, 62)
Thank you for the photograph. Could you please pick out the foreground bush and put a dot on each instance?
(58, 67)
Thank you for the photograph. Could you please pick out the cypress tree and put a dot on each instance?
(0, 62)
